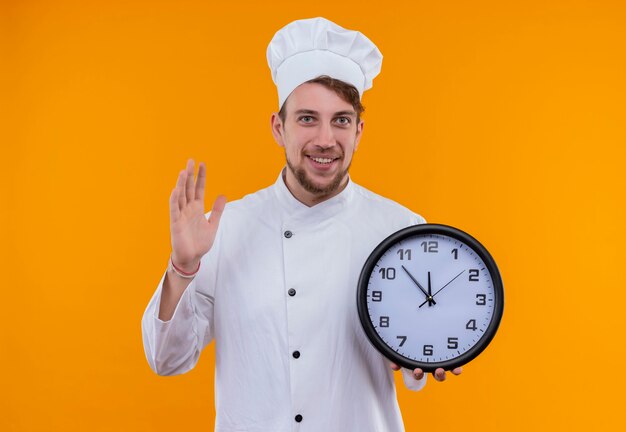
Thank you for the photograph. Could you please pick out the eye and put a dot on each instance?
(343, 121)
(306, 119)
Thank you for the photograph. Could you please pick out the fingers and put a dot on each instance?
(174, 209)
(189, 189)
(440, 374)
(180, 189)
(185, 191)
(218, 209)
(200, 182)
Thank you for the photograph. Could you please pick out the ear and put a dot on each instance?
(277, 129)
(359, 133)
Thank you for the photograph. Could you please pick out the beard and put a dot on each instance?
(313, 188)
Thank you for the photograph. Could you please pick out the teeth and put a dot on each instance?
(322, 160)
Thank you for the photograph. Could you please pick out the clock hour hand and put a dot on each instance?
(438, 291)
(429, 298)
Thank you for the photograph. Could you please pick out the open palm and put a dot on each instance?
(192, 234)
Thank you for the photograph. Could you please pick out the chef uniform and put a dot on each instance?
(277, 293)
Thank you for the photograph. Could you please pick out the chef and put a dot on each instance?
(272, 277)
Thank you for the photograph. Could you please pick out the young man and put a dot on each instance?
(273, 281)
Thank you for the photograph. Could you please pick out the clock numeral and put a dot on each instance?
(453, 342)
(404, 253)
(403, 338)
(428, 350)
(473, 275)
(471, 325)
(455, 252)
(388, 273)
(377, 296)
(481, 299)
(384, 321)
(430, 246)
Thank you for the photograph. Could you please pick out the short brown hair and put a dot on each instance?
(345, 91)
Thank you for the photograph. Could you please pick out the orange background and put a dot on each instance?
(506, 119)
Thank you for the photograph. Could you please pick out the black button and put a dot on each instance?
(298, 418)
(292, 292)
(296, 354)
(288, 234)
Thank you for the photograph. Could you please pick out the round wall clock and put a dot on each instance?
(430, 296)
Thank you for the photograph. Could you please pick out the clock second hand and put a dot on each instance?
(428, 296)
(442, 287)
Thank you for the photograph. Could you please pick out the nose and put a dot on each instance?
(325, 137)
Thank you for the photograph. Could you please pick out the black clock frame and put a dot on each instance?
(426, 229)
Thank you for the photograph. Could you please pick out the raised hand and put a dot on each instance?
(192, 235)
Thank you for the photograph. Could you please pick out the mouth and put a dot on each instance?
(322, 161)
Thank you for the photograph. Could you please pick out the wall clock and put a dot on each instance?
(430, 296)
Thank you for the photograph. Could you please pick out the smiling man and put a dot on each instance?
(320, 131)
(272, 277)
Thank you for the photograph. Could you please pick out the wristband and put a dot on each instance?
(182, 273)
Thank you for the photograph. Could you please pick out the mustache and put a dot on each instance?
(326, 153)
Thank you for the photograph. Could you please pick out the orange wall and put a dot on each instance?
(506, 119)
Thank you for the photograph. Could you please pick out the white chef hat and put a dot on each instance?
(307, 48)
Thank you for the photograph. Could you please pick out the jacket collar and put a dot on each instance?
(297, 210)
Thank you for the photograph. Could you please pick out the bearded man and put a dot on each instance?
(272, 277)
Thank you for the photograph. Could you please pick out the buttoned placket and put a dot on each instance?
(295, 304)
(298, 235)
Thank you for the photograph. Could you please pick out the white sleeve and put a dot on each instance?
(173, 347)
(410, 382)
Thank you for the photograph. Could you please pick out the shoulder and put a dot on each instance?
(378, 205)
(253, 205)
(253, 201)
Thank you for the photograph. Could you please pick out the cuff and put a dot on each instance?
(410, 382)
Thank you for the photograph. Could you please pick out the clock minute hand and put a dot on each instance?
(430, 293)
(438, 291)
(428, 297)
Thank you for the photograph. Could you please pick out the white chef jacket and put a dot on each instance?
(277, 292)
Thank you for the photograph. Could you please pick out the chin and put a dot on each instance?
(320, 186)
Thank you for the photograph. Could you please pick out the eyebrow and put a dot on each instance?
(338, 113)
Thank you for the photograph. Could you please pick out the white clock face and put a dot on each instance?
(430, 298)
